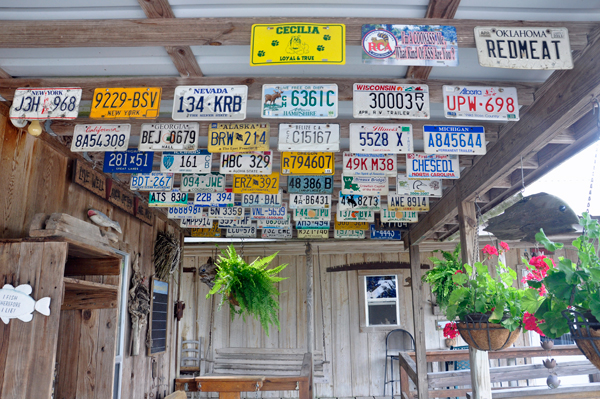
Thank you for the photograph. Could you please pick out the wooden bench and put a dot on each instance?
(587, 391)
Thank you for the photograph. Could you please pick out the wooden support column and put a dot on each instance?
(419, 322)
(310, 325)
(480, 364)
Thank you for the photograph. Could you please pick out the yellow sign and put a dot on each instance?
(313, 233)
(126, 102)
(256, 184)
(212, 232)
(238, 137)
(298, 43)
(350, 225)
(408, 203)
(307, 163)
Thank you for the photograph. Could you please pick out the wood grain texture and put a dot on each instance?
(4, 74)
(68, 354)
(419, 321)
(157, 8)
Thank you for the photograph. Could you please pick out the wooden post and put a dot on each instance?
(310, 325)
(419, 322)
(480, 364)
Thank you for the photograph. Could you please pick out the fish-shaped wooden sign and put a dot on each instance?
(16, 303)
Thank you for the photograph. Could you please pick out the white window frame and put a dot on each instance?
(363, 304)
(122, 320)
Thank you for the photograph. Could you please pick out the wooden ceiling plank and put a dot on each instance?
(157, 8)
(4, 74)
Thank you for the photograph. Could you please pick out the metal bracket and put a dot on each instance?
(48, 129)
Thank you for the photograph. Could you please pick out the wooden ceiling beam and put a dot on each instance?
(4, 74)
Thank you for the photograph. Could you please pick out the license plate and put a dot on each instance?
(381, 138)
(370, 185)
(243, 222)
(408, 203)
(199, 161)
(384, 234)
(312, 214)
(241, 232)
(126, 102)
(250, 163)
(355, 216)
(312, 234)
(307, 163)
(276, 233)
(390, 101)
(130, 161)
(154, 181)
(523, 48)
(212, 232)
(214, 199)
(454, 140)
(238, 137)
(312, 224)
(421, 187)
(100, 138)
(299, 101)
(388, 216)
(167, 198)
(269, 213)
(358, 202)
(309, 137)
(196, 223)
(259, 200)
(209, 103)
(310, 201)
(230, 212)
(400, 226)
(310, 184)
(352, 234)
(370, 164)
(343, 225)
(275, 223)
(169, 136)
(209, 183)
(432, 166)
(190, 211)
(481, 103)
(268, 184)
(46, 103)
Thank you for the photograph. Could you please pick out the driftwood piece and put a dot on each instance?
(65, 225)
(139, 306)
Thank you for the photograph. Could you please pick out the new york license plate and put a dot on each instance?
(381, 138)
(307, 163)
(309, 137)
(310, 201)
(370, 164)
(251, 163)
(423, 187)
(126, 102)
(190, 211)
(169, 136)
(46, 103)
(198, 161)
(299, 101)
(214, 199)
(100, 138)
(195, 103)
(167, 198)
(238, 137)
(312, 214)
(154, 181)
(269, 213)
(310, 184)
(358, 202)
(230, 212)
(209, 183)
(259, 200)
(390, 101)
(454, 140)
(258, 184)
(408, 203)
(432, 166)
(481, 103)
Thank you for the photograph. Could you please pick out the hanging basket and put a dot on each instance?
(585, 331)
(484, 336)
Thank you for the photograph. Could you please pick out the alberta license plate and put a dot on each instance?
(390, 101)
(167, 198)
(352, 234)
(130, 161)
(277, 233)
(423, 187)
(126, 102)
(199, 161)
(381, 138)
(259, 200)
(258, 184)
(370, 164)
(481, 103)
(46, 103)
(251, 163)
(214, 199)
(355, 216)
(241, 232)
(307, 163)
(269, 213)
(312, 224)
(312, 214)
(370, 185)
(358, 202)
(190, 211)
(169, 136)
(243, 222)
(274, 223)
(313, 234)
(230, 212)
(198, 183)
(408, 203)
(310, 184)
(432, 166)
(388, 216)
(196, 223)
(309, 137)
(154, 181)
(238, 137)
(300, 101)
(208, 103)
(310, 201)
(454, 140)
(100, 138)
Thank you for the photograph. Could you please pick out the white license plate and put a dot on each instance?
(100, 138)
(209, 183)
(46, 103)
(167, 198)
(390, 101)
(199, 161)
(454, 140)
(312, 214)
(269, 213)
(250, 163)
(355, 234)
(229, 212)
(215, 199)
(190, 211)
(408, 203)
(313, 234)
(432, 166)
(300, 101)
(208, 103)
(309, 137)
(388, 216)
(369, 185)
(196, 223)
(275, 223)
(381, 138)
(154, 181)
(277, 233)
(358, 202)
(243, 222)
(422, 187)
(169, 136)
(241, 232)
(355, 216)
(312, 224)
(481, 103)
(310, 201)
(370, 164)
(259, 200)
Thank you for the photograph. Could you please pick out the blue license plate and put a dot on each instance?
(130, 161)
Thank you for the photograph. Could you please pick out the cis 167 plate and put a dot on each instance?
(100, 138)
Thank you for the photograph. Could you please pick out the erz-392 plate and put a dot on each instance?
(169, 136)
(258, 184)
(208, 103)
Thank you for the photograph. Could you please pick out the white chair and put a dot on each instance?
(192, 359)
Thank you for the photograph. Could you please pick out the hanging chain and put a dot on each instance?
(257, 389)
(242, 250)
(596, 104)
(522, 177)
(478, 217)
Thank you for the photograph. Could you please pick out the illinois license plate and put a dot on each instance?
(199, 161)
(241, 232)
(251, 163)
(422, 187)
(310, 184)
(214, 199)
(312, 214)
(432, 166)
(390, 101)
(388, 216)
(274, 223)
(381, 138)
(358, 202)
(309, 137)
(351, 234)
(209, 183)
(313, 234)
(384, 234)
(269, 213)
(196, 223)
(190, 211)
(344, 225)
(259, 200)
(454, 140)
(214, 231)
(355, 216)
(307, 163)
(100, 138)
(208, 103)
(312, 224)
(238, 137)
(46, 103)
(300, 101)
(277, 233)
(481, 103)
(169, 136)
(258, 184)
(370, 185)
(230, 212)
(370, 164)
(408, 203)
(310, 201)
(153, 181)
(167, 198)
(243, 222)
(126, 102)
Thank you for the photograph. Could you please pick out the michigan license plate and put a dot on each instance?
(258, 184)
(408, 203)
(209, 183)
(238, 137)
(230, 212)
(100, 138)
(169, 136)
(214, 199)
(167, 198)
(208, 103)
(310, 184)
(310, 201)
(46, 103)
(390, 101)
(454, 140)
(199, 161)
(358, 202)
(251, 163)
(421, 187)
(260, 200)
(269, 213)
(381, 138)
(154, 181)
(190, 211)
(481, 103)
(126, 102)
(309, 137)
(307, 163)
(300, 101)
(370, 164)
(312, 214)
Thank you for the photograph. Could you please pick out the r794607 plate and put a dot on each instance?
(307, 163)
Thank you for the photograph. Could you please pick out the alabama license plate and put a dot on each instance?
(422, 187)
(351, 234)
(258, 184)
(370, 164)
(307, 163)
(241, 232)
(343, 225)
(198, 183)
(199, 161)
(277, 233)
(310, 201)
(190, 211)
(208, 103)
(390, 101)
(251, 163)
(46, 103)
(355, 216)
(381, 138)
(312, 214)
(153, 181)
(274, 223)
(388, 216)
(370, 185)
(432, 166)
(126, 102)
(230, 212)
(167, 198)
(384, 234)
(226, 223)
(358, 202)
(309, 137)
(238, 137)
(214, 199)
(408, 203)
(301, 101)
(259, 200)
(269, 213)
(454, 140)
(312, 224)
(481, 103)
(310, 184)
(196, 223)
(169, 136)
(313, 234)
(100, 138)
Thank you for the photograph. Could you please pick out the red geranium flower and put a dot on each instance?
(531, 323)
(504, 246)
(490, 250)
(458, 271)
(450, 330)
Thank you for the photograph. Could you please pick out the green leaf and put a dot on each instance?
(531, 301)
(595, 307)
(557, 285)
(458, 295)
(459, 278)
(507, 278)
(481, 268)
(498, 313)
(549, 245)
(468, 268)
(595, 276)
(510, 324)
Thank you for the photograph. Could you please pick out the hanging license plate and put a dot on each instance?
(355, 216)
(46, 103)
(209, 103)
(196, 223)
(274, 223)
(370, 164)
(300, 101)
(277, 233)
(312, 224)
(313, 234)
(251, 163)
(384, 234)
(432, 166)
(243, 222)
(390, 101)
(154, 181)
(267, 184)
(351, 234)
(190, 211)
(454, 140)
(100, 138)
(241, 232)
(209, 183)
(258, 200)
(238, 137)
(310, 201)
(214, 231)
(370, 185)
(126, 102)
(306, 163)
(421, 187)
(169, 136)
(343, 225)
(358, 202)
(214, 199)
(198, 161)
(310, 184)
(309, 137)
(388, 216)
(230, 212)
(130, 161)
(312, 214)
(381, 138)
(481, 103)
(269, 213)
(167, 198)
(408, 203)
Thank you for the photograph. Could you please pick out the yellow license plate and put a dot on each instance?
(408, 203)
(126, 102)
(256, 184)
(316, 233)
(307, 163)
(350, 225)
(212, 232)
(238, 137)
(298, 43)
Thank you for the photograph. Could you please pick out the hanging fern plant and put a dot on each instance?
(249, 288)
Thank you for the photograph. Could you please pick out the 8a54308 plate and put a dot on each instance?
(100, 138)
(238, 137)
(209, 103)
(307, 163)
(126, 102)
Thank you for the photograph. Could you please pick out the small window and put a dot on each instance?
(381, 300)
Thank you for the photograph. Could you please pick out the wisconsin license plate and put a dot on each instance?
(100, 138)
(306, 163)
(343, 225)
(309, 137)
(243, 222)
(241, 232)
(370, 164)
(167, 198)
(312, 224)
(209, 183)
(390, 101)
(153, 181)
(432, 166)
(454, 140)
(300, 101)
(313, 234)
(388, 216)
(408, 203)
(358, 202)
(355, 216)
(208, 103)
(260, 200)
(269, 213)
(251, 163)
(312, 214)
(190, 211)
(381, 138)
(126, 102)
(370, 185)
(274, 223)
(214, 199)
(384, 234)
(238, 137)
(310, 201)
(481, 103)
(258, 184)
(421, 187)
(199, 161)
(46, 103)
(196, 223)
(169, 136)
(277, 233)
(230, 212)
(351, 234)
(310, 184)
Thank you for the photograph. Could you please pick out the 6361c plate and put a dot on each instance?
(300, 101)
(169, 136)
(126, 102)
(307, 163)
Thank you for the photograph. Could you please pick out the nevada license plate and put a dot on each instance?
(209, 183)
(196, 223)
(243, 222)
(312, 224)
(358, 202)
(269, 213)
(312, 214)
(46, 103)
(432, 166)
(342, 225)
(100, 138)
(310, 201)
(126, 102)
(153, 181)
(299, 101)
(303, 163)
(238, 137)
(381, 138)
(309, 137)
(454, 140)
(277, 233)
(370, 185)
(370, 164)
(384, 234)
(214, 231)
(421, 187)
(214, 199)
(167, 198)
(313, 234)
(241, 232)
(275, 223)
(390, 101)
(481, 103)
(388, 216)
(355, 216)
(190, 211)
(169, 136)
(208, 103)
(270, 200)
(199, 161)
(230, 212)
(354, 234)
(268, 184)
(310, 184)
(251, 163)
(408, 203)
